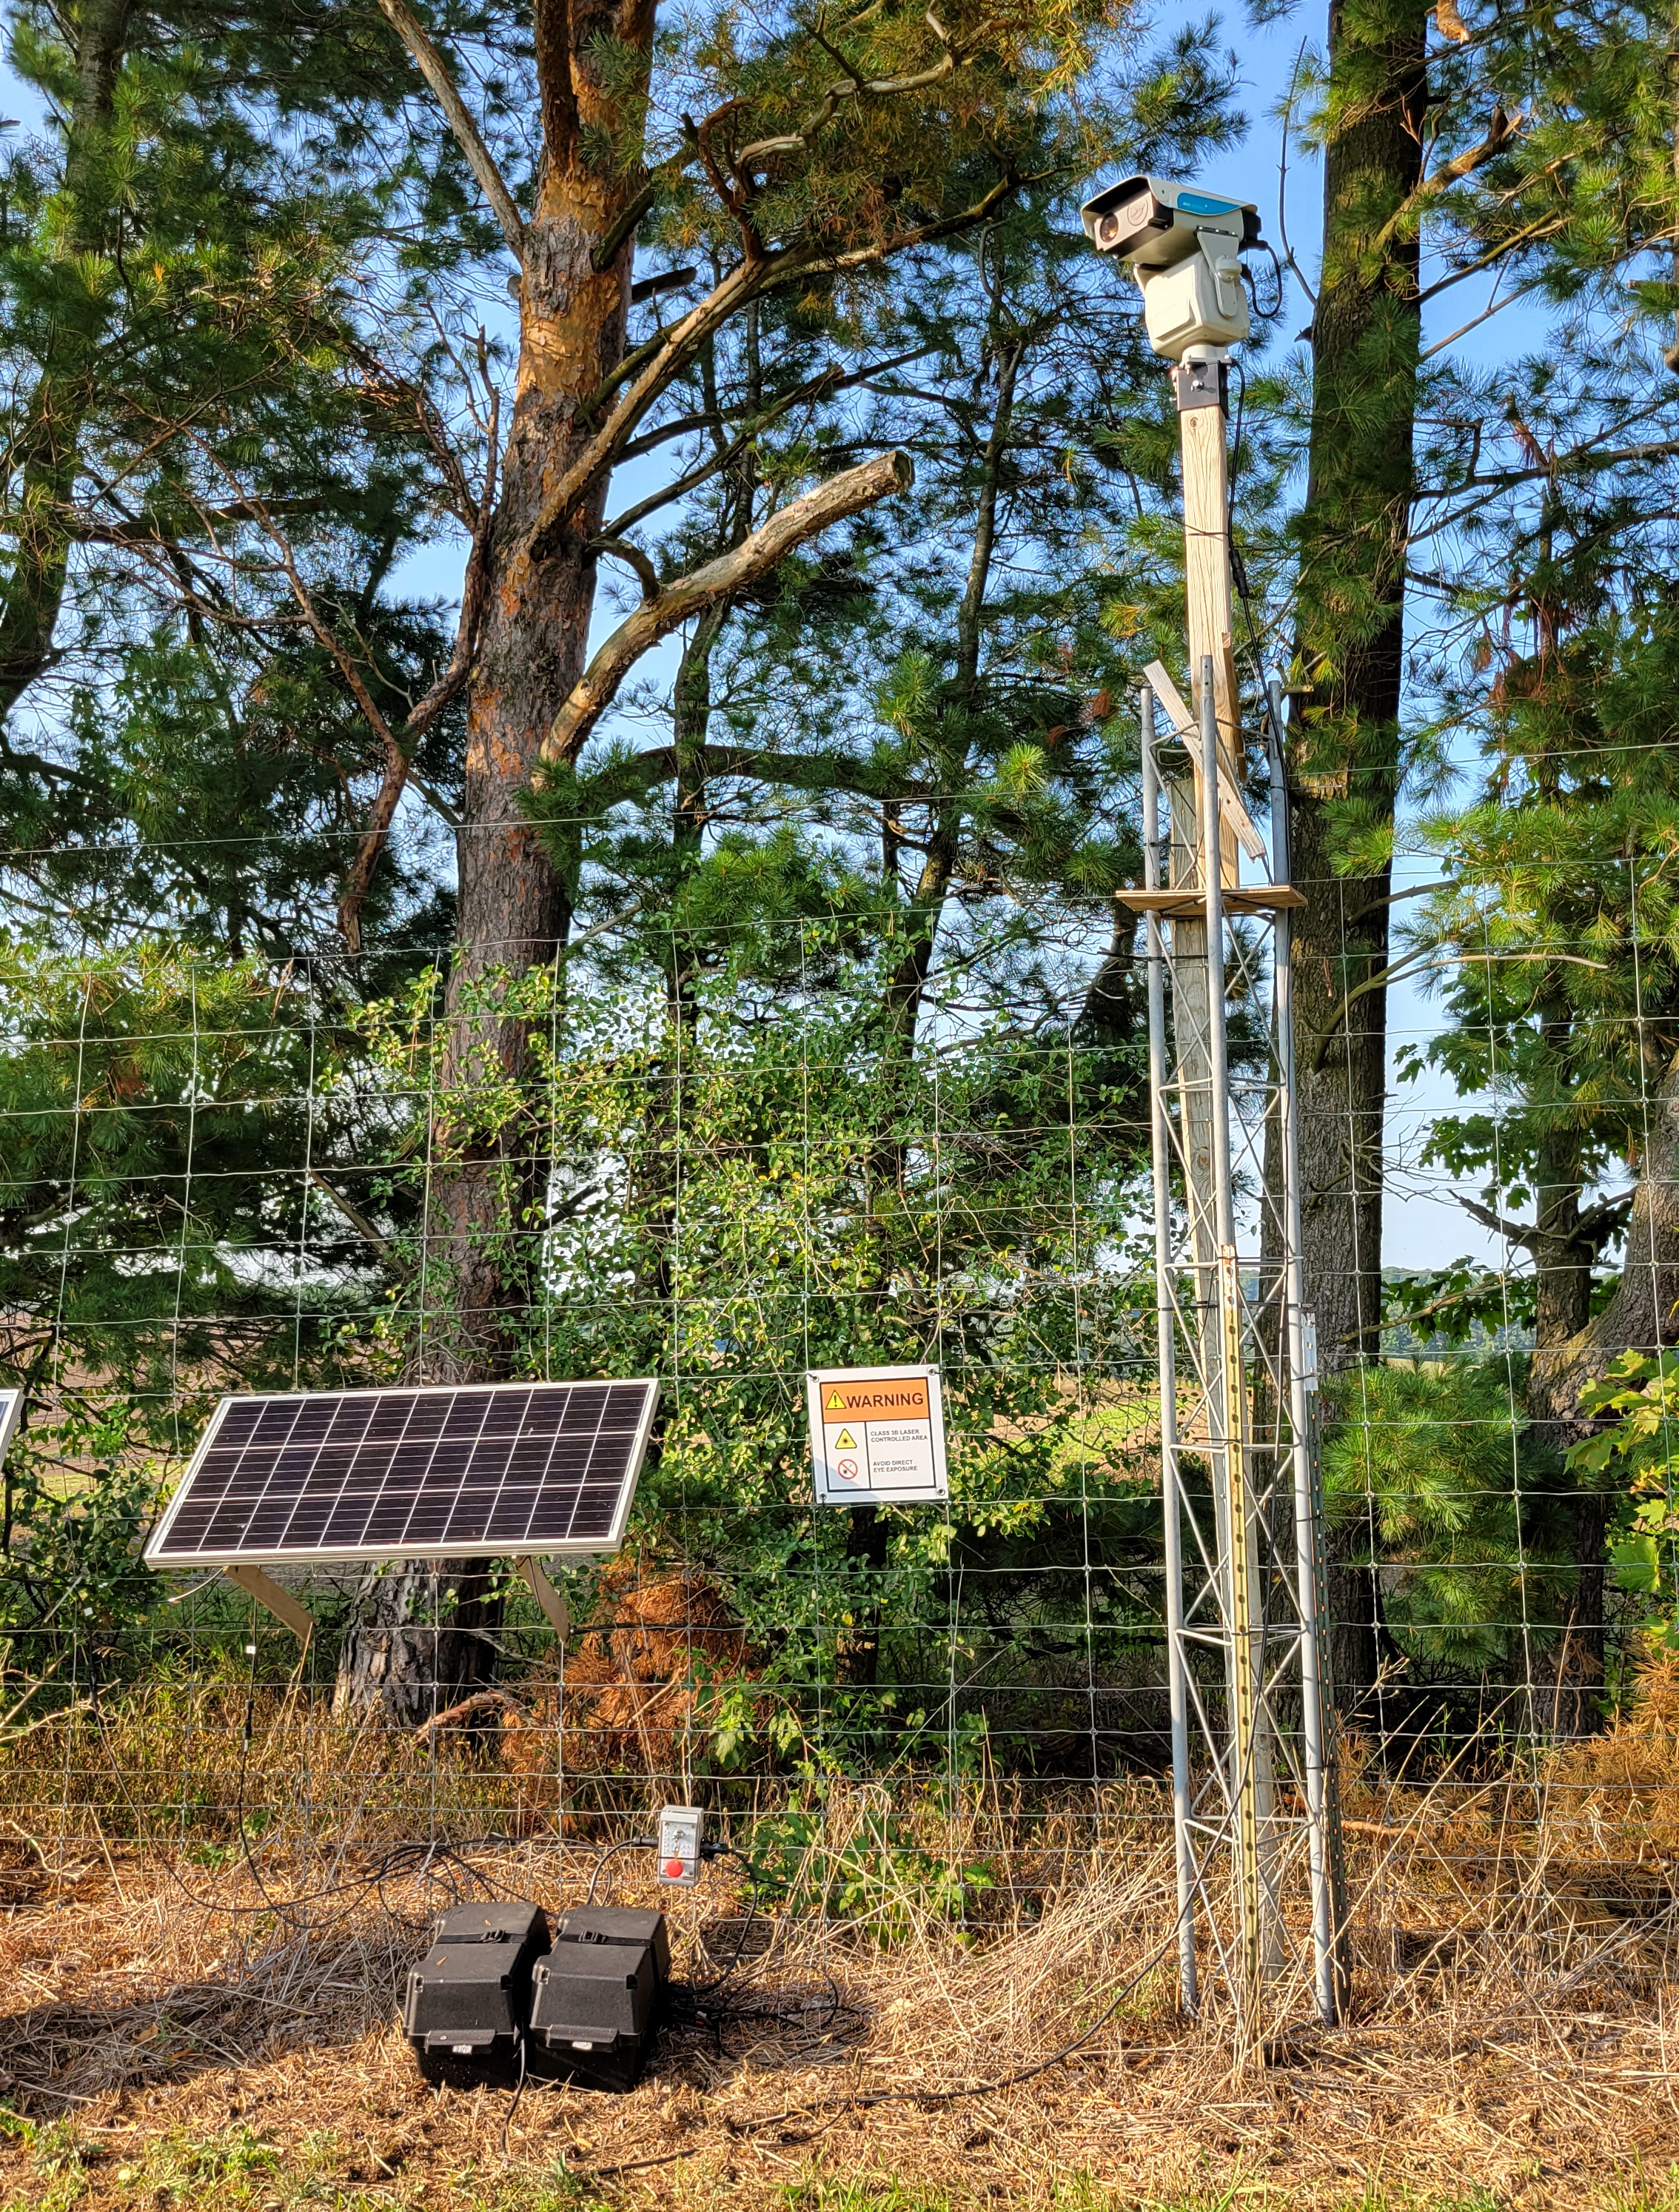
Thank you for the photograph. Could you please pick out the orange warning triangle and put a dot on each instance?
(836, 1403)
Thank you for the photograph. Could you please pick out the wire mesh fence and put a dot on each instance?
(729, 1157)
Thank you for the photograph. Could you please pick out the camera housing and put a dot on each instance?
(1183, 246)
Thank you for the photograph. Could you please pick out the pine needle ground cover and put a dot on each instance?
(206, 2028)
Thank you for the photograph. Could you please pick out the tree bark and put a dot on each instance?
(1643, 1316)
(1353, 529)
(514, 909)
(420, 1634)
(45, 453)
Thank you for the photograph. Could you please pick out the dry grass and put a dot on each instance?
(173, 2036)
(184, 2026)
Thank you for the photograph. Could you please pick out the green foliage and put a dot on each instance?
(824, 1220)
(157, 1112)
(1634, 1449)
(882, 1876)
(1429, 1473)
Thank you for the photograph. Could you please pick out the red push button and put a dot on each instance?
(674, 1870)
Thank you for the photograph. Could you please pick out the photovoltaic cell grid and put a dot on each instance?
(506, 1468)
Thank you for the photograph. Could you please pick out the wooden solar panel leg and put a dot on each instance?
(281, 1603)
(546, 1595)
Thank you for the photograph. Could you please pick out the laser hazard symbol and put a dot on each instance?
(877, 1435)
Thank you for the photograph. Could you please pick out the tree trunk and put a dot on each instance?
(1562, 1259)
(45, 447)
(1346, 742)
(420, 1637)
(1643, 1316)
(514, 911)
(486, 1208)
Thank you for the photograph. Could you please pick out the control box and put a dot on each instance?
(681, 1831)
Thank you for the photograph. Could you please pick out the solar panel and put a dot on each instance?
(505, 1467)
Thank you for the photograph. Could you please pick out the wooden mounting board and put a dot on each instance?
(1191, 905)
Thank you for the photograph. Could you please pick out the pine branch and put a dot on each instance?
(661, 359)
(479, 159)
(1500, 130)
(683, 425)
(799, 141)
(818, 772)
(426, 710)
(733, 572)
(819, 388)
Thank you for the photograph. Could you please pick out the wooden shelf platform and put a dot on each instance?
(1187, 905)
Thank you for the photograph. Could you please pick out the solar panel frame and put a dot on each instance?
(11, 1408)
(450, 1457)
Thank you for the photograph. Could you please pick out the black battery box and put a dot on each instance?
(468, 2000)
(598, 1996)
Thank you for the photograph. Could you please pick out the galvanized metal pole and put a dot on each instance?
(1229, 1408)
(1166, 1333)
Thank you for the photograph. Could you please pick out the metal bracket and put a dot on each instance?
(281, 1603)
(552, 1603)
(1202, 383)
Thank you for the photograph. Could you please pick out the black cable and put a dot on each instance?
(519, 2091)
(629, 1844)
(920, 2096)
(1264, 314)
(727, 1851)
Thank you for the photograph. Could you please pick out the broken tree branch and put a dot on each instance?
(352, 1213)
(790, 526)
(435, 70)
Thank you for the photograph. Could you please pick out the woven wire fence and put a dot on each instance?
(726, 1161)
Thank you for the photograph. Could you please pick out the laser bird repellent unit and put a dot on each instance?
(1183, 246)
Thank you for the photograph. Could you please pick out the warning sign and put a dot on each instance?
(877, 1435)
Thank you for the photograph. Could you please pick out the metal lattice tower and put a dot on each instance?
(1261, 1897)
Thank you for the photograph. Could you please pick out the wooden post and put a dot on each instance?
(1201, 434)
(1207, 582)
(1200, 387)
